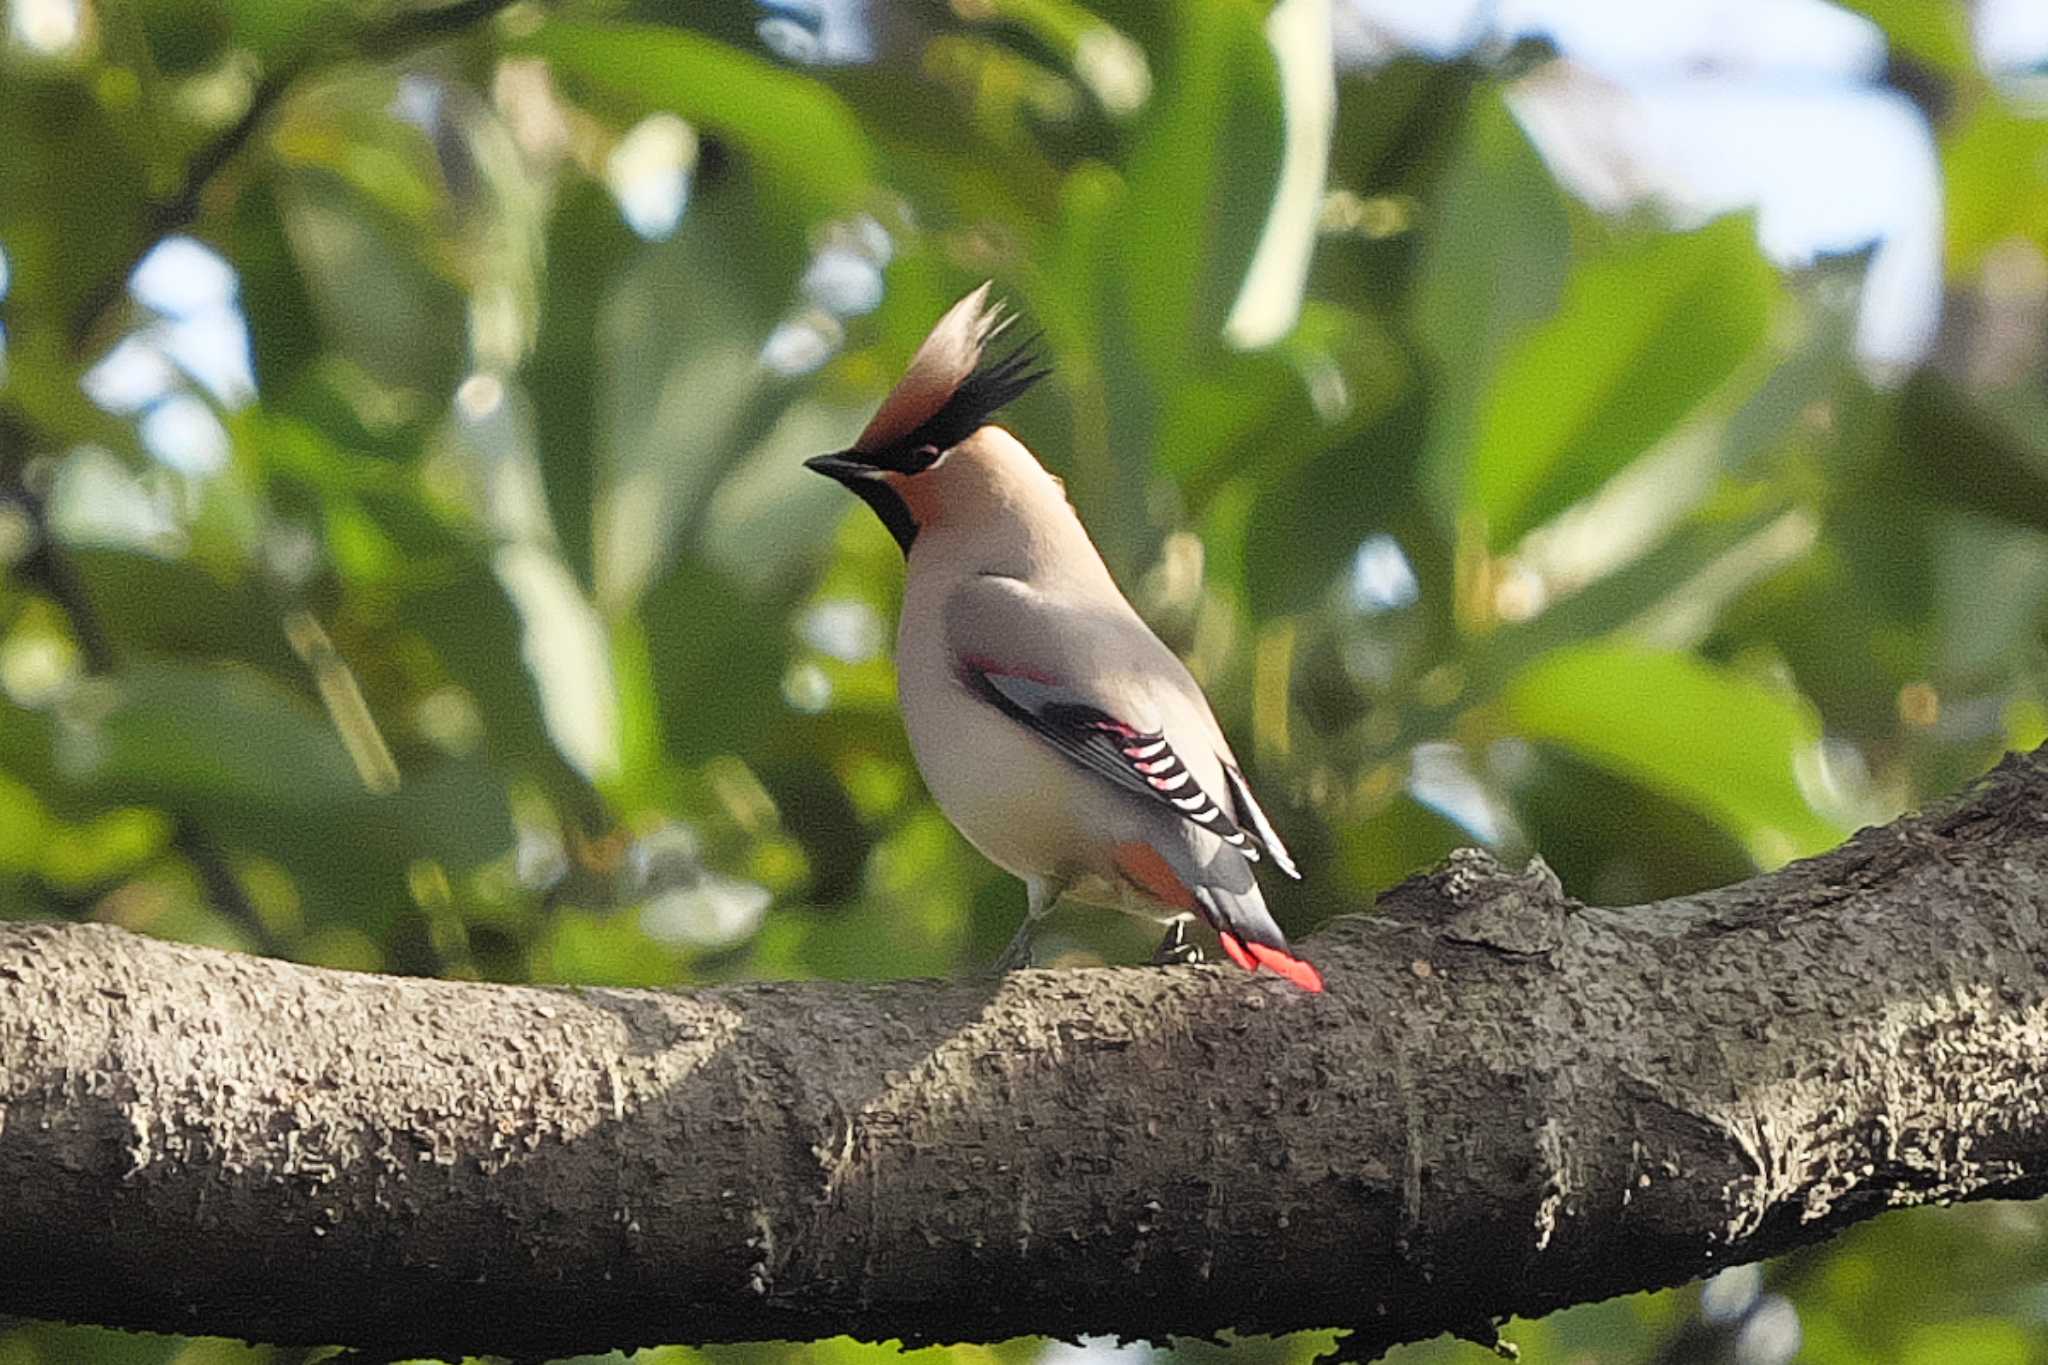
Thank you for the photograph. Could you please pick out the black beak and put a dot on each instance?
(864, 480)
(844, 466)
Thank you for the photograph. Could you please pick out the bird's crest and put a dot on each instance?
(951, 388)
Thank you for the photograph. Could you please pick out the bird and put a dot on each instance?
(1054, 729)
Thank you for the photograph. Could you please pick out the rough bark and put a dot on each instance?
(1507, 1102)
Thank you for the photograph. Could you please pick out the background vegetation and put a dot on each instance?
(409, 566)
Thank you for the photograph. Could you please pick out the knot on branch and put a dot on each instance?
(1471, 898)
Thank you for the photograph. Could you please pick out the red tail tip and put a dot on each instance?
(1252, 956)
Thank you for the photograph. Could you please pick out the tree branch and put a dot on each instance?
(1506, 1103)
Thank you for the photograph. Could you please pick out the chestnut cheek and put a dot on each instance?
(915, 493)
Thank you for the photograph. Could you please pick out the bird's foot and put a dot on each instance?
(1176, 948)
(1043, 893)
(1016, 957)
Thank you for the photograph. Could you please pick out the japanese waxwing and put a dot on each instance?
(1055, 730)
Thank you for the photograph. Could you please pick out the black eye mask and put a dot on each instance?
(992, 385)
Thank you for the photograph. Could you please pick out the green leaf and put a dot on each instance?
(380, 295)
(1400, 125)
(229, 739)
(1338, 370)
(184, 36)
(1995, 173)
(1617, 599)
(1984, 454)
(261, 767)
(284, 332)
(1068, 298)
(25, 827)
(800, 133)
(1639, 340)
(1495, 251)
(1993, 586)
(1751, 445)
(718, 655)
(1968, 1341)
(1306, 528)
(587, 245)
(71, 200)
(604, 948)
(1610, 839)
(769, 514)
(1936, 34)
(1201, 176)
(477, 636)
(1707, 736)
(271, 27)
(214, 618)
(1402, 837)
(681, 394)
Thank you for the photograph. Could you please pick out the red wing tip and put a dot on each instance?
(1293, 968)
(1237, 952)
(1252, 956)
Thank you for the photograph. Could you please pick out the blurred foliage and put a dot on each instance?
(413, 569)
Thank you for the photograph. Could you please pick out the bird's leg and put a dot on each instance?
(1043, 893)
(1176, 946)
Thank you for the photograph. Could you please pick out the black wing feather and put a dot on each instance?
(1139, 762)
(1249, 815)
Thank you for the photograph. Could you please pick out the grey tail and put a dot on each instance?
(1242, 914)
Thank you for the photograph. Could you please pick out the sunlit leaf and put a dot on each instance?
(1937, 35)
(682, 393)
(1995, 168)
(588, 243)
(262, 765)
(1494, 260)
(1201, 179)
(1710, 737)
(1639, 340)
(800, 133)
(599, 948)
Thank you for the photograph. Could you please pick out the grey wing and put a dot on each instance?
(1067, 676)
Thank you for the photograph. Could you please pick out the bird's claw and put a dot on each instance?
(1012, 960)
(1176, 949)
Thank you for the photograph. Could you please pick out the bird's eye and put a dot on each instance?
(924, 457)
